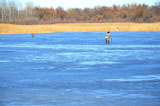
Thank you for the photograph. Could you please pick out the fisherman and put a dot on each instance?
(107, 37)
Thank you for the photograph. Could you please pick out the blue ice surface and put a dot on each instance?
(80, 69)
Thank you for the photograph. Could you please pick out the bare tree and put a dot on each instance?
(3, 8)
(29, 9)
(12, 11)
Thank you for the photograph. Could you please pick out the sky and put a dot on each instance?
(85, 3)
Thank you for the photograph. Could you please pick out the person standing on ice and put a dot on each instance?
(107, 37)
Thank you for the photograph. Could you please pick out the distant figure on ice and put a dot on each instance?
(107, 37)
(32, 34)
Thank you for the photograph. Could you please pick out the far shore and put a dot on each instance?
(77, 27)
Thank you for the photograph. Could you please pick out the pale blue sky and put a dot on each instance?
(85, 3)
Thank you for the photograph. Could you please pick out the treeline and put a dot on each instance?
(10, 12)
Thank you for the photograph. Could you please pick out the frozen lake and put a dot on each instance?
(80, 69)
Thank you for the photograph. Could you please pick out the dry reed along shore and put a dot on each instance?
(77, 27)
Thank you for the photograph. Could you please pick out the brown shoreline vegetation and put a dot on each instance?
(77, 27)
